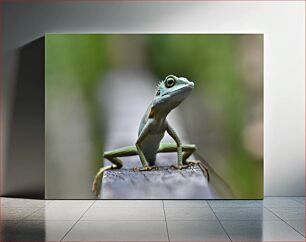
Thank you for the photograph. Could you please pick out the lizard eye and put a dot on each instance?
(158, 92)
(170, 82)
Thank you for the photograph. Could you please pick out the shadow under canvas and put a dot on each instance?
(25, 158)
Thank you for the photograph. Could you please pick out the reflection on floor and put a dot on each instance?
(274, 219)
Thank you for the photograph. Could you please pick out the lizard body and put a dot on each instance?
(153, 126)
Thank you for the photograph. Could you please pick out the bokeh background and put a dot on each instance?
(223, 116)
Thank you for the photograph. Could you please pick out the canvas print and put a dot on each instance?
(154, 116)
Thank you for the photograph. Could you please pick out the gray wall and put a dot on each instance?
(26, 23)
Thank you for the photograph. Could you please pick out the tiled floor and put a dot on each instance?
(274, 219)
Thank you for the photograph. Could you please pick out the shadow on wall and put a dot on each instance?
(24, 170)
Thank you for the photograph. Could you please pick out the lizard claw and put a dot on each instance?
(136, 168)
(149, 168)
(192, 162)
(180, 167)
(202, 167)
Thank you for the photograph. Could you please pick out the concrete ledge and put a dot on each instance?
(164, 183)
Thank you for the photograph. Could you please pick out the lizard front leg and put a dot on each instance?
(178, 142)
(143, 134)
(145, 164)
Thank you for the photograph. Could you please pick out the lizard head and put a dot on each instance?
(171, 92)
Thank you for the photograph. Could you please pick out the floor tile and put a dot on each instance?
(300, 200)
(124, 214)
(128, 203)
(21, 203)
(289, 213)
(196, 231)
(235, 203)
(55, 230)
(281, 202)
(244, 214)
(39, 230)
(144, 219)
(189, 214)
(186, 203)
(118, 231)
(261, 230)
(70, 203)
(16, 213)
(298, 225)
(57, 214)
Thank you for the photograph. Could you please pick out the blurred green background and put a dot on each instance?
(223, 116)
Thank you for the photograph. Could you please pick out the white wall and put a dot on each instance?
(283, 25)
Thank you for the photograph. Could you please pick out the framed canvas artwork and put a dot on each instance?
(154, 116)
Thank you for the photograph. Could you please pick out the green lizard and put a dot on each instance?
(153, 126)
